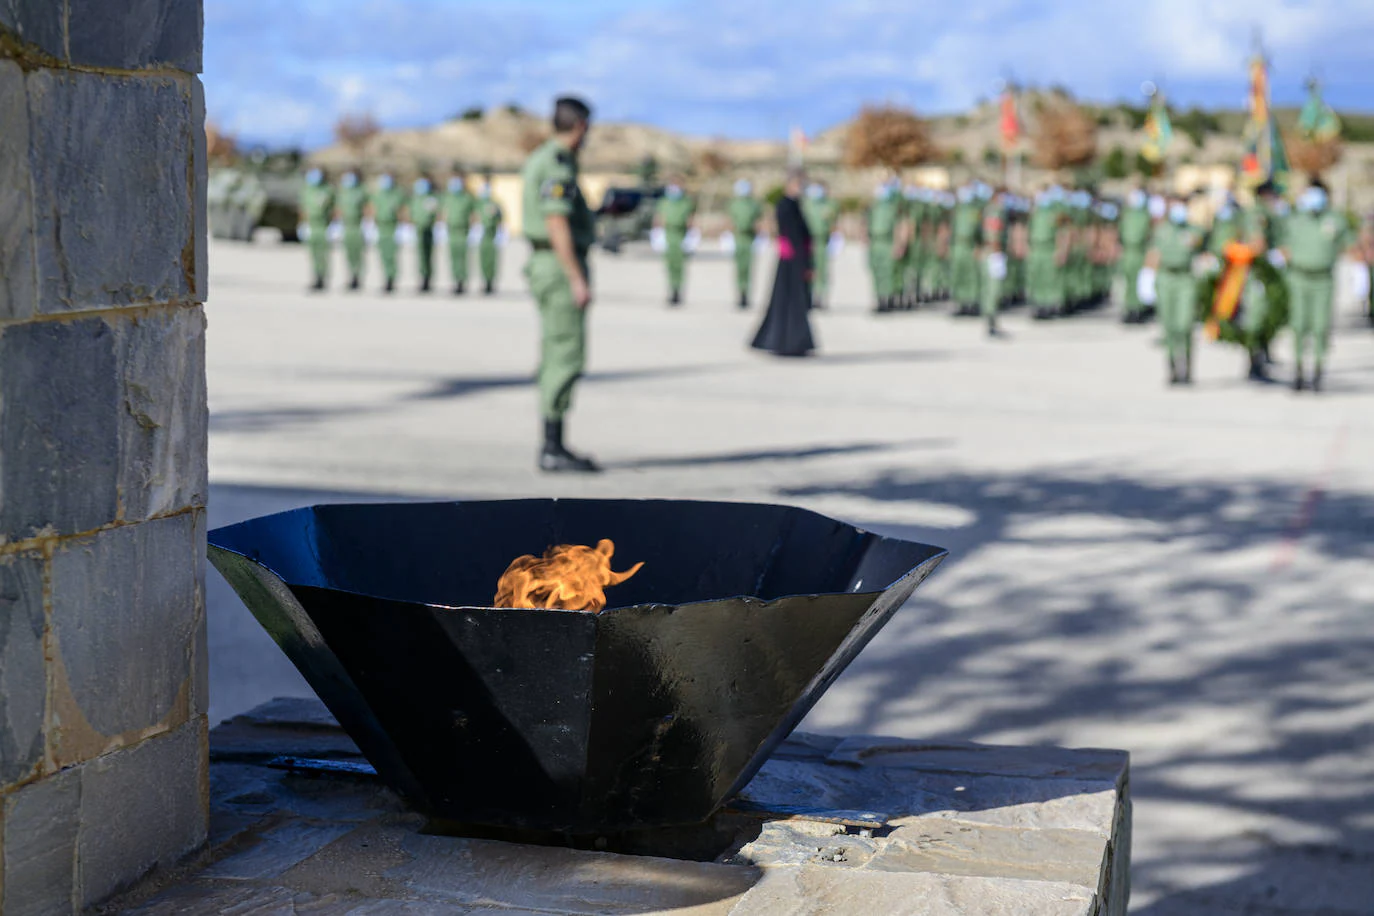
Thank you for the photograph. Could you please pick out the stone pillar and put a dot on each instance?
(102, 447)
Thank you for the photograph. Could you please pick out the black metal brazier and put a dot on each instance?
(651, 713)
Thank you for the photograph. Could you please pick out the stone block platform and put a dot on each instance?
(830, 825)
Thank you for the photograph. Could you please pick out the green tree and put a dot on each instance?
(472, 113)
(1114, 165)
(648, 171)
(1135, 117)
(1146, 168)
(991, 155)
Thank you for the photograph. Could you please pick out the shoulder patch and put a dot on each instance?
(554, 190)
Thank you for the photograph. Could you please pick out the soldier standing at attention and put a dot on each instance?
(1314, 241)
(965, 237)
(317, 206)
(882, 230)
(1050, 239)
(745, 213)
(459, 205)
(560, 230)
(994, 260)
(352, 200)
(387, 203)
(1173, 247)
(1135, 239)
(674, 217)
(820, 212)
(423, 209)
(490, 215)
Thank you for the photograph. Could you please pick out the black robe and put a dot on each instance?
(785, 330)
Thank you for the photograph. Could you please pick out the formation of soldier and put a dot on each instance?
(1061, 252)
(985, 248)
(1263, 264)
(351, 204)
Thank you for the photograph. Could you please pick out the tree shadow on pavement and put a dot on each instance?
(1219, 631)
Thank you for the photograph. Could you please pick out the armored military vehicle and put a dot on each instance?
(626, 215)
(263, 190)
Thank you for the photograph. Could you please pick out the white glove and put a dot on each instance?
(997, 265)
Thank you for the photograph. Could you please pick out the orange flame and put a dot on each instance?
(569, 577)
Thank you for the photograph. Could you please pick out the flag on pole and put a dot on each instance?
(1318, 123)
(1011, 122)
(1264, 159)
(1159, 130)
(796, 146)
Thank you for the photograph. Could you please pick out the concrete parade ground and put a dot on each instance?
(1183, 573)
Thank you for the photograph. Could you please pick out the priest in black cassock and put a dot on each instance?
(785, 330)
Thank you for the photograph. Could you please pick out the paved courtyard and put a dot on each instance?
(1185, 574)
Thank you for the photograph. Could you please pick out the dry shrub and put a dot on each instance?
(1065, 135)
(888, 136)
(354, 130)
(1312, 156)
(220, 148)
(711, 161)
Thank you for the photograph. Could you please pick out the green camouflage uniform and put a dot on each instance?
(459, 206)
(994, 234)
(1045, 277)
(386, 214)
(317, 206)
(351, 202)
(676, 214)
(745, 213)
(1135, 239)
(883, 217)
(551, 189)
(965, 236)
(1315, 242)
(821, 214)
(424, 213)
(490, 216)
(1176, 289)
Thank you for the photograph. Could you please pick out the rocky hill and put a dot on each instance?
(498, 141)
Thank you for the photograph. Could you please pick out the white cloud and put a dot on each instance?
(721, 66)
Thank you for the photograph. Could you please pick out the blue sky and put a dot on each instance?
(282, 71)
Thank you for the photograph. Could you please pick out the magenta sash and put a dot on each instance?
(785, 250)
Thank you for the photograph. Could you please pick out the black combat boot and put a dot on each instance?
(355, 283)
(1317, 378)
(424, 284)
(992, 326)
(391, 284)
(459, 288)
(318, 285)
(555, 458)
(489, 289)
(1257, 373)
(674, 298)
(744, 300)
(1299, 383)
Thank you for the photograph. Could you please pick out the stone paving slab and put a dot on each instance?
(287, 843)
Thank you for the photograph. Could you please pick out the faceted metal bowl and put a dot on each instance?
(651, 713)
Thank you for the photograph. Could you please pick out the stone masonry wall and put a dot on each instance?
(102, 447)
